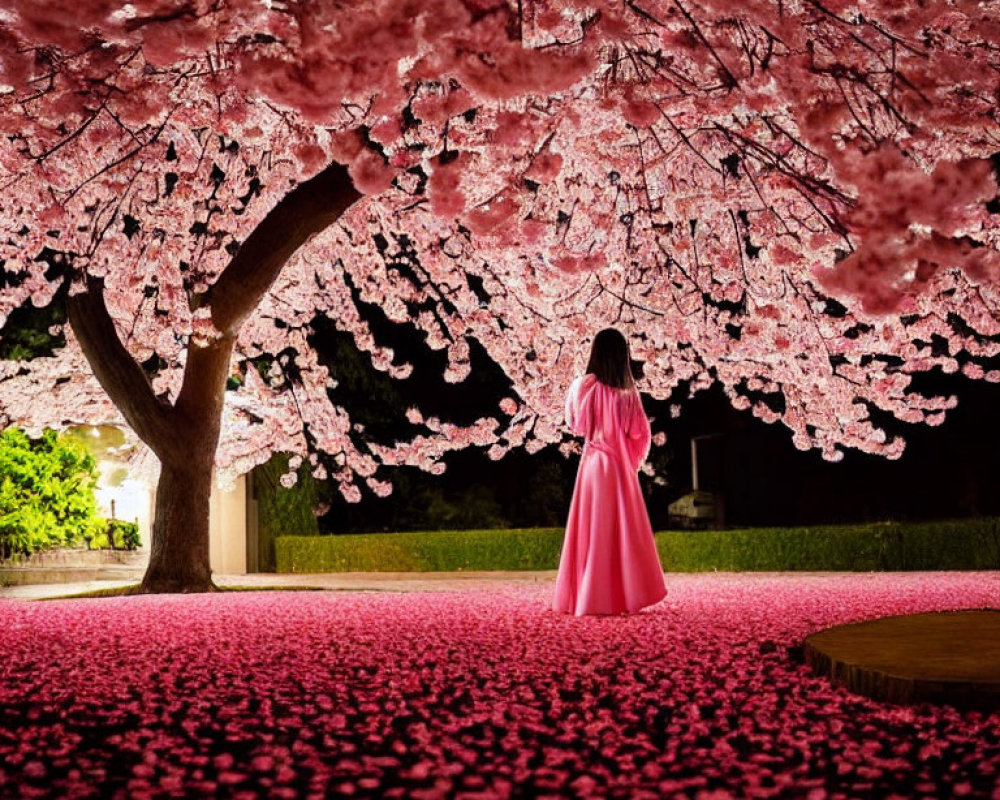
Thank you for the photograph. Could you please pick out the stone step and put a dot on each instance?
(78, 557)
(25, 576)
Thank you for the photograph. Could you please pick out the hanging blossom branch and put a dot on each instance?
(674, 167)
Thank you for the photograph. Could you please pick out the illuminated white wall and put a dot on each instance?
(228, 529)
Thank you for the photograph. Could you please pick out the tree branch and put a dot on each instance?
(726, 73)
(118, 373)
(305, 211)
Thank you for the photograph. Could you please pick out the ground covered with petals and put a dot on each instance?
(476, 694)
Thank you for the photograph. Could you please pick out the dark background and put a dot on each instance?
(945, 472)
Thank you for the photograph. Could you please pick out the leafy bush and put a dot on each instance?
(124, 535)
(46, 492)
(956, 544)
(116, 534)
(475, 508)
(282, 509)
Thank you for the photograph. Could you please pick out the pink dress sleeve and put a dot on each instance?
(573, 407)
(571, 404)
(636, 428)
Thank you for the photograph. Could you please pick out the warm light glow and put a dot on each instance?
(131, 500)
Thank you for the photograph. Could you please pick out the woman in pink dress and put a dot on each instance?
(609, 563)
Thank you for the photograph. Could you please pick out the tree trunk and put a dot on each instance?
(179, 561)
(184, 435)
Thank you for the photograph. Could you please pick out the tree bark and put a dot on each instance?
(179, 559)
(185, 435)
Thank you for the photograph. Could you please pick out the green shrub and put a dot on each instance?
(282, 510)
(945, 545)
(95, 535)
(126, 535)
(46, 492)
(474, 508)
(116, 534)
(890, 546)
(434, 551)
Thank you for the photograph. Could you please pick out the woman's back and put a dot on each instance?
(609, 563)
(607, 417)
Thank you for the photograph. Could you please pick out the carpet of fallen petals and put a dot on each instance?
(475, 694)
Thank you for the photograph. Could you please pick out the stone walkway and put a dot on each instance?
(327, 581)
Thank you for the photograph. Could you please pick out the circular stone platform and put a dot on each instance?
(948, 657)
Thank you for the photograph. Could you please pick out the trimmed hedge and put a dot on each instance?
(434, 551)
(117, 534)
(884, 546)
(947, 545)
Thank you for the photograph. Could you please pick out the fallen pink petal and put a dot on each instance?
(478, 693)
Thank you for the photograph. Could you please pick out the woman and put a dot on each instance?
(609, 563)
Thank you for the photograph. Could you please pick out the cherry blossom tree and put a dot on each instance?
(794, 199)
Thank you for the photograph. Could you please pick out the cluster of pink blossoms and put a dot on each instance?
(795, 200)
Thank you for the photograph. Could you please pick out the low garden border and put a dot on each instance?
(967, 544)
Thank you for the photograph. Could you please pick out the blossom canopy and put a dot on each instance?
(796, 200)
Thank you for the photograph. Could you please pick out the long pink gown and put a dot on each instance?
(609, 563)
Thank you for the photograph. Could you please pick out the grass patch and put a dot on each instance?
(970, 544)
(111, 591)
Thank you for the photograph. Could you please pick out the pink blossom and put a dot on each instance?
(311, 156)
(573, 263)
(586, 165)
(545, 167)
(640, 113)
(512, 129)
(484, 219)
(370, 173)
(444, 189)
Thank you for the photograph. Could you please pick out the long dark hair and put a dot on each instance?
(609, 360)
